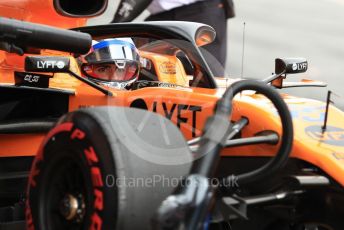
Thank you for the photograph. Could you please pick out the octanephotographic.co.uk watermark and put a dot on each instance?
(165, 181)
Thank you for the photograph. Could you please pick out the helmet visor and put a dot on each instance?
(119, 70)
(112, 50)
(113, 60)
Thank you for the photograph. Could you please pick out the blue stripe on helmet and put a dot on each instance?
(107, 43)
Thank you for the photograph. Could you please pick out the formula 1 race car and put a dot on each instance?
(174, 149)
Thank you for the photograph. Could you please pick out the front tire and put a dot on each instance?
(88, 176)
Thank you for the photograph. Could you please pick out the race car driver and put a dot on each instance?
(112, 62)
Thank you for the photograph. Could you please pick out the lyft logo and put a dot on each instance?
(47, 64)
(299, 66)
(50, 64)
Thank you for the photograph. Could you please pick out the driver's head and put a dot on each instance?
(112, 62)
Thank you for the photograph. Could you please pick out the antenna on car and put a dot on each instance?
(243, 51)
(328, 102)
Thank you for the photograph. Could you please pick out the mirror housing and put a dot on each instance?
(57, 13)
(204, 36)
(290, 65)
(80, 8)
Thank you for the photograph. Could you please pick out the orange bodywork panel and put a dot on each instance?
(20, 144)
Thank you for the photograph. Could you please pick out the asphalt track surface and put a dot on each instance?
(313, 29)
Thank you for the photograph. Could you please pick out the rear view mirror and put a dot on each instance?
(204, 36)
(290, 65)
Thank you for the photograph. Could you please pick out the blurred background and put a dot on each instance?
(313, 29)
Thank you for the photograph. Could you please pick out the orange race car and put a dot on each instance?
(76, 111)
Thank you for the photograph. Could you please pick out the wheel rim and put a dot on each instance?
(67, 194)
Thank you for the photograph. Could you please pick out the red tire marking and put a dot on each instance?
(28, 215)
(98, 199)
(97, 180)
(96, 222)
(33, 174)
(77, 133)
(91, 156)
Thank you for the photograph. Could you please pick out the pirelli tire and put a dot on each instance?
(81, 174)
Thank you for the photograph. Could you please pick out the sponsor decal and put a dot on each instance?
(144, 84)
(167, 67)
(309, 114)
(31, 79)
(166, 84)
(176, 111)
(332, 135)
(47, 64)
(299, 66)
(60, 64)
(50, 64)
